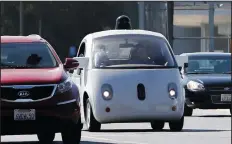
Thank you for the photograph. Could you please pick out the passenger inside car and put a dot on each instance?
(156, 55)
(120, 51)
(28, 56)
(33, 59)
(101, 58)
(139, 55)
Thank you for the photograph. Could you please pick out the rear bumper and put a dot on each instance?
(206, 100)
(47, 118)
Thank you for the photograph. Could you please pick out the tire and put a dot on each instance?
(71, 133)
(91, 123)
(46, 137)
(188, 111)
(157, 125)
(177, 125)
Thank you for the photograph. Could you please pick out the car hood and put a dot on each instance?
(210, 79)
(31, 76)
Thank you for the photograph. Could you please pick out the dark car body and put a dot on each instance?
(32, 100)
(215, 84)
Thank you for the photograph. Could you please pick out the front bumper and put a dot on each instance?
(207, 100)
(46, 118)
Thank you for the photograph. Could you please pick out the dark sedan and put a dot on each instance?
(207, 81)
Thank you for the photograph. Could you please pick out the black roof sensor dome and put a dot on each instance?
(123, 22)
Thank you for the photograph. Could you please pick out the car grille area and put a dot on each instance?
(220, 88)
(220, 94)
(34, 93)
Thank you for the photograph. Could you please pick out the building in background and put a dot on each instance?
(197, 26)
(154, 16)
(192, 26)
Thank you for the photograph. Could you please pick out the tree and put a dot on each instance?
(65, 23)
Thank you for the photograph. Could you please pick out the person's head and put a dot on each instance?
(123, 22)
(142, 51)
(33, 59)
(101, 48)
(139, 52)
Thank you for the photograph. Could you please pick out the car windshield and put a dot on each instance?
(132, 51)
(209, 64)
(26, 55)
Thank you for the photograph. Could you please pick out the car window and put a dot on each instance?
(121, 50)
(27, 55)
(209, 64)
(82, 50)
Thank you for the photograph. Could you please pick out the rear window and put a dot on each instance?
(27, 55)
(132, 50)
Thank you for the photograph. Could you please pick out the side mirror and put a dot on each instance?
(70, 64)
(83, 61)
(180, 68)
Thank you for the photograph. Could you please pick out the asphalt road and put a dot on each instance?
(205, 127)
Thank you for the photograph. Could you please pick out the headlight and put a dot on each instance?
(65, 86)
(172, 93)
(107, 92)
(172, 90)
(195, 86)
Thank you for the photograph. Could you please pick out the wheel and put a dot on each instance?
(71, 133)
(177, 125)
(46, 137)
(188, 111)
(157, 125)
(91, 123)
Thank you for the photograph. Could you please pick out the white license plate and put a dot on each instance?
(225, 97)
(24, 114)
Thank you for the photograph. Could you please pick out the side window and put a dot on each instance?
(81, 51)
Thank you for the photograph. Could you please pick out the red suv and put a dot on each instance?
(37, 94)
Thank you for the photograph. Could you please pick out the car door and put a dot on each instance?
(77, 75)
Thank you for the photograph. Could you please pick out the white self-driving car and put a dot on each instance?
(129, 76)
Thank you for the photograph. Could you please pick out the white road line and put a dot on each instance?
(111, 140)
(111, 135)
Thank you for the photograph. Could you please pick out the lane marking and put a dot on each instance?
(111, 140)
(129, 134)
(111, 135)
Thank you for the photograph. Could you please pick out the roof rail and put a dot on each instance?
(35, 35)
